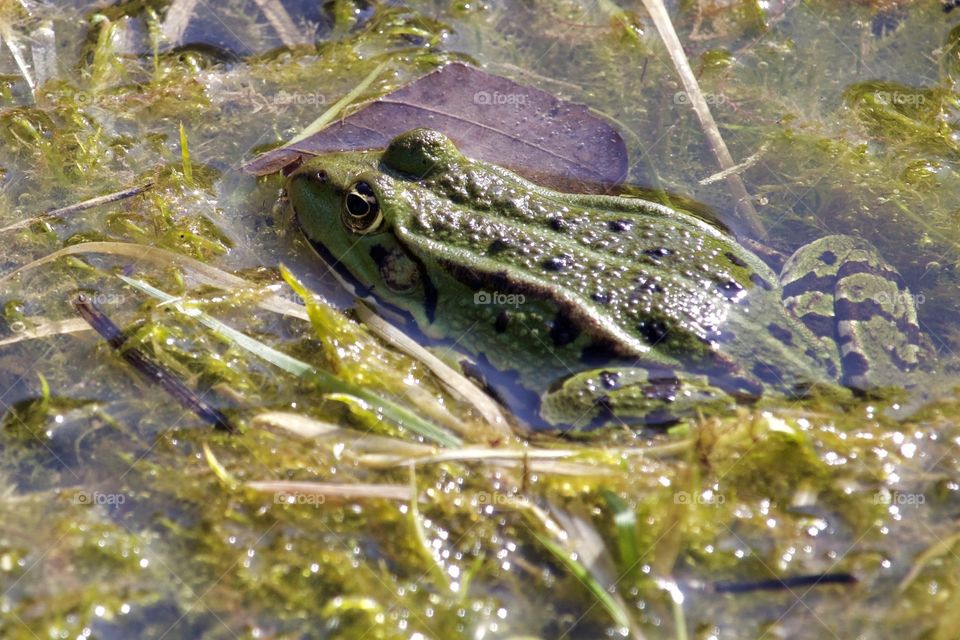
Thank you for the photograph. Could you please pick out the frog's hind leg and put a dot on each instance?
(629, 397)
(848, 295)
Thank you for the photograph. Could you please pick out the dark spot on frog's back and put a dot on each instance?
(730, 289)
(861, 310)
(780, 333)
(653, 330)
(558, 224)
(662, 386)
(828, 257)
(620, 226)
(610, 379)
(734, 259)
(563, 330)
(855, 267)
(768, 373)
(658, 252)
(601, 297)
(599, 353)
(819, 324)
(558, 263)
(605, 414)
(646, 285)
(497, 247)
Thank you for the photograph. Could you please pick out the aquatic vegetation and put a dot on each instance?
(122, 515)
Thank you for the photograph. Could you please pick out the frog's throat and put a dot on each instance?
(360, 290)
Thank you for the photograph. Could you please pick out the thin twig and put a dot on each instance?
(739, 168)
(43, 51)
(337, 108)
(7, 35)
(780, 584)
(178, 17)
(744, 207)
(51, 328)
(80, 206)
(281, 22)
(149, 368)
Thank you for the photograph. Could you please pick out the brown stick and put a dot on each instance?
(744, 206)
(149, 368)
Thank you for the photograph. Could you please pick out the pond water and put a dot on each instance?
(123, 515)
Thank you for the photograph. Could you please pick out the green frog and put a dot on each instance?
(592, 309)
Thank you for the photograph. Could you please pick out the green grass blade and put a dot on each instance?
(327, 381)
(579, 570)
(185, 157)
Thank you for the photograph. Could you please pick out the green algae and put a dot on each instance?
(113, 520)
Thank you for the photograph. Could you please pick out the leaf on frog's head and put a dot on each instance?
(550, 141)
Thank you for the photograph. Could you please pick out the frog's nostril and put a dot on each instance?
(320, 176)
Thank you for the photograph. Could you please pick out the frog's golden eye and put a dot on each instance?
(361, 210)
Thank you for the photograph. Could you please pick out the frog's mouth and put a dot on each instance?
(346, 279)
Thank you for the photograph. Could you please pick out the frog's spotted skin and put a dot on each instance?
(608, 308)
(847, 295)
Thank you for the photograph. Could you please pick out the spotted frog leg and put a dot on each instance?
(858, 306)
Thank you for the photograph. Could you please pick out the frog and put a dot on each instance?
(588, 310)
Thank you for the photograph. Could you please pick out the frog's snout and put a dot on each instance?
(305, 185)
(307, 174)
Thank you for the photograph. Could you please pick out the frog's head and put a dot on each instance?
(349, 205)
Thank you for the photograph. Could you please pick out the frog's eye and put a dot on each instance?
(361, 210)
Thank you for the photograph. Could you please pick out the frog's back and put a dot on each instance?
(648, 281)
